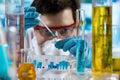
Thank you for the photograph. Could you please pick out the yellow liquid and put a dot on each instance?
(116, 65)
(101, 39)
(26, 71)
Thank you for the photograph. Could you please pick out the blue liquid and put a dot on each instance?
(62, 65)
(80, 62)
(3, 61)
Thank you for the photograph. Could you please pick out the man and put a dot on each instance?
(59, 16)
(54, 15)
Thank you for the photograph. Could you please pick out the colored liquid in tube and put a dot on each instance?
(101, 38)
(80, 58)
(26, 71)
(116, 61)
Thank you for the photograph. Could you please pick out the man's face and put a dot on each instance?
(61, 24)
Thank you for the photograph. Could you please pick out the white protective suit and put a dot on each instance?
(47, 48)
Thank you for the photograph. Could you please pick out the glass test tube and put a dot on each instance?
(80, 20)
(101, 35)
(14, 11)
(12, 50)
(4, 57)
(116, 49)
(14, 17)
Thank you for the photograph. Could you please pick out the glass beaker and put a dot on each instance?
(26, 70)
(80, 31)
(101, 35)
(116, 49)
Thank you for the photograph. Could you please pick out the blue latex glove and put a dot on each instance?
(30, 16)
(70, 44)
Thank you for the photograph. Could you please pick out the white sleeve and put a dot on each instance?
(28, 38)
(31, 42)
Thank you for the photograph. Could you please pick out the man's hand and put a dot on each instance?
(70, 44)
(30, 16)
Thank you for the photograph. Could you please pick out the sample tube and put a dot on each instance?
(12, 51)
(101, 36)
(80, 62)
(4, 57)
(116, 49)
(14, 10)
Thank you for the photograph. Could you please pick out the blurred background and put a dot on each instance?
(85, 4)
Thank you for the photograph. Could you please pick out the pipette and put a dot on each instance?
(51, 32)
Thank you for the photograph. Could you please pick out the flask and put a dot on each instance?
(26, 70)
(116, 49)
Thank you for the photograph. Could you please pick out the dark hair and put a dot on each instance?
(55, 6)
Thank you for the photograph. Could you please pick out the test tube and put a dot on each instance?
(4, 66)
(80, 21)
(14, 13)
(14, 17)
(12, 51)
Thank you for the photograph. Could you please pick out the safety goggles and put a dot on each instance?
(57, 30)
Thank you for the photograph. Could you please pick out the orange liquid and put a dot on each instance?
(26, 71)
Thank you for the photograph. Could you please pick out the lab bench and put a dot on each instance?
(73, 75)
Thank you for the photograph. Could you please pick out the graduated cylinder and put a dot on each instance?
(101, 35)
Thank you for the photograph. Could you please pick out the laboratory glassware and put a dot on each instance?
(3, 55)
(12, 52)
(101, 36)
(26, 70)
(9, 67)
(80, 31)
(14, 12)
(14, 17)
(116, 48)
(57, 63)
(50, 31)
